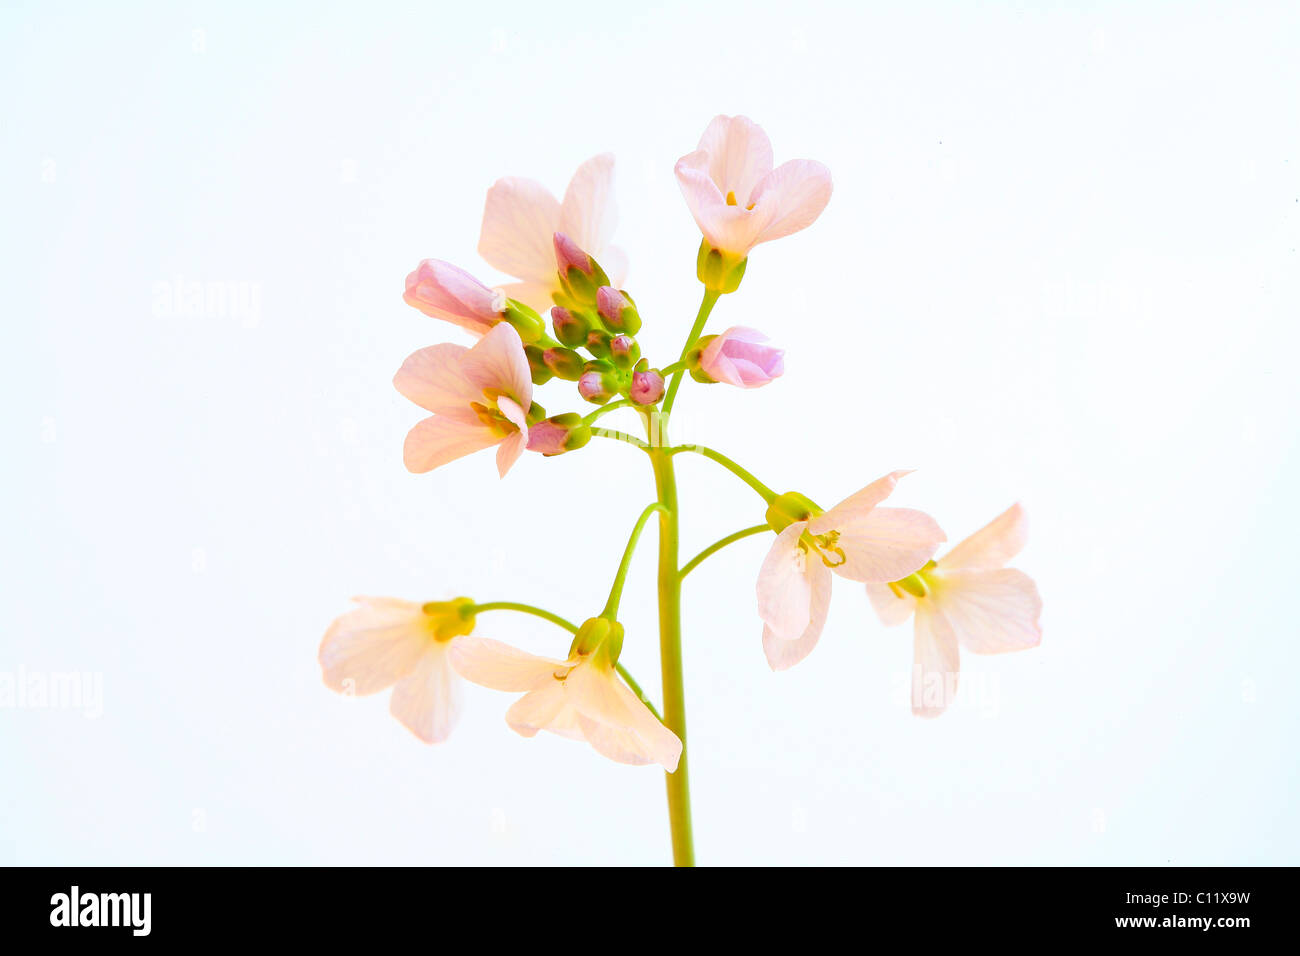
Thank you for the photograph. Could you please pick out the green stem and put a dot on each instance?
(706, 306)
(764, 491)
(621, 403)
(670, 657)
(719, 545)
(620, 436)
(616, 590)
(522, 608)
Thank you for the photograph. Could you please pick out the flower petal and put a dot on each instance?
(500, 666)
(936, 664)
(791, 197)
(498, 362)
(994, 545)
(891, 608)
(730, 228)
(535, 295)
(433, 378)
(990, 612)
(615, 722)
(373, 646)
(444, 291)
(437, 440)
(519, 219)
(509, 451)
(782, 654)
(428, 701)
(588, 214)
(857, 504)
(546, 708)
(785, 586)
(886, 544)
(740, 155)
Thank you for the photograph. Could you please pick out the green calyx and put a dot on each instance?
(448, 619)
(530, 326)
(918, 583)
(788, 508)
(600, 639)
(718, 270)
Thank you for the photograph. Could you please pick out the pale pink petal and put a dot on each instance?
(509, 451)
(990, 611)
(444, 291)
(661, 745)
(498, 362)
(886, 544)
(733, 229)
(614, 261)
(500, 666)
(994, 545)
(438, 440)
(588, 214)
(615, 722)
(857, 503)
(428, 701)
(740, 155)
(891, 608)
(433, 378)
(790, 198)
(616, 742)
(373, 646)
(935, 664)
(519, 219)
(782, 654)
(785, 585)
(546, 708)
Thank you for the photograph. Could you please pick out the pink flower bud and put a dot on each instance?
(739, 358)
(591, 386)
(443, 291)
(647, 387)
(568, 255)
(547, 437)
(610, 303)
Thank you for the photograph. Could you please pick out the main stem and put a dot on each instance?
(670, 655)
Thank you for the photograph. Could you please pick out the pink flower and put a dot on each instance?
(856, 540)
(582, 698)
(391, 643)
(479, 397)
(966, 598)
(737, 198)
(444, 291)
(647, 387)
(521, 218)
(739, 358)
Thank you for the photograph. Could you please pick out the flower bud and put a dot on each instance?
(647, 387)
(598, 343)
(718, 270)
(564, 363)
(788, 508)
(737, 357)
(580, 274)
(598, 633)
(527, 323)
(446, 292)
(537, 365)
(570, 328)
(558, 434)
(595, 387)
(617, 310)
(624, 351)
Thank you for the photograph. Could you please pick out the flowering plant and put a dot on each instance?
(483, 396)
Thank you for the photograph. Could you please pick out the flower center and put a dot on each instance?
(825, 546)
(733, 201)
(918, 583)
(490, 415)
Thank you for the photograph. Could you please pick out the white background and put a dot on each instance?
(1059, 266)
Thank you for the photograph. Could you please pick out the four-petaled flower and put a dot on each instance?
(521, 218)
(737, 198)
(388, 642)
(856, 540)
(967, 598)
(739, 357)
(479, 397)
(582, 698)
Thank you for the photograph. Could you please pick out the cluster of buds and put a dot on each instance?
(591, 315)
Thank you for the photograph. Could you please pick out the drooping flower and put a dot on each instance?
(444, 291)
(386, 642)
(968, 598)
(737, 198)
(582, 698)
(479, 397)
(855, 540)
(739, 357)
(521, 218)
